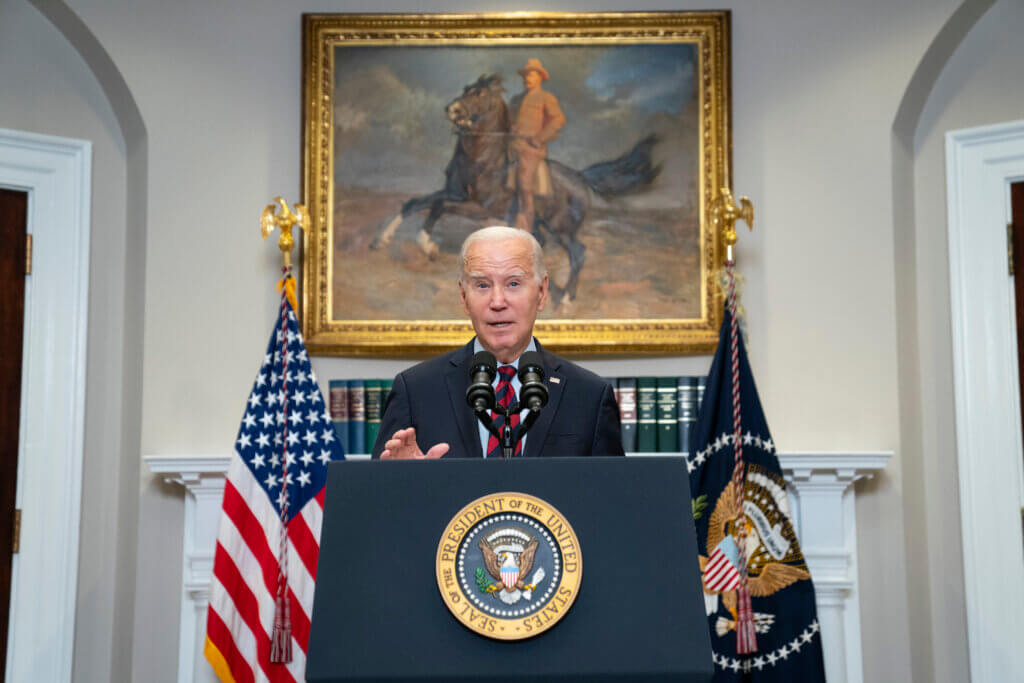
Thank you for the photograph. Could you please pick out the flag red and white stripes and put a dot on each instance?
(245, 580)
(720, 574)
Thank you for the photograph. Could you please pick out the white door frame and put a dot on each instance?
(57, 174)
(980, 165)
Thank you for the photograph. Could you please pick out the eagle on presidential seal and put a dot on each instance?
(773, 556)
(509, 555)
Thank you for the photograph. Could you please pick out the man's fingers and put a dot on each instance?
(402, 445)
(438, 450)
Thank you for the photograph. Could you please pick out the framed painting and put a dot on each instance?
(419, 129)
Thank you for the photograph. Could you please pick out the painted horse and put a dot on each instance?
(477, 186)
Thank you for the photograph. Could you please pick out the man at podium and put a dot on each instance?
(503, 285)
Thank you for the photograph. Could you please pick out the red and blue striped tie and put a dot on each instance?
(506, 395)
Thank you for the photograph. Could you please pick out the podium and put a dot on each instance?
(637, 613)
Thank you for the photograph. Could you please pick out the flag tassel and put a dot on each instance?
(746, 640)
(281, 638)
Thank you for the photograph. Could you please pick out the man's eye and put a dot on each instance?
(514, 283)
(481, 285)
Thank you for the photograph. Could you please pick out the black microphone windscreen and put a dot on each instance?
(532, 359)
(486, 359)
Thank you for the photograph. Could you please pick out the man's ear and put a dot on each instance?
(462, 295)
(543, 295)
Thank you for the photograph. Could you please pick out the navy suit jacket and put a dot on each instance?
(581, 417)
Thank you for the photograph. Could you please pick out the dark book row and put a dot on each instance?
(657, 412)
(356, 406)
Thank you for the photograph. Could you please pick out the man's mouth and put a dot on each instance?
(500, 324)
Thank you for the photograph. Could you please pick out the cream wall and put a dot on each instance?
(817, 87)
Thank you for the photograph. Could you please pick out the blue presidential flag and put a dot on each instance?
(748, 536)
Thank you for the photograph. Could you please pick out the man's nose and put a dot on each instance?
(498, 297)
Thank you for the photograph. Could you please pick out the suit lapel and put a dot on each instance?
(556, 386)
(457, 379)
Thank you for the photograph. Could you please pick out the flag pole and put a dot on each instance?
(724, 214)
(286, 219)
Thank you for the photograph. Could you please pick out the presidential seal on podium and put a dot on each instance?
(509, 566)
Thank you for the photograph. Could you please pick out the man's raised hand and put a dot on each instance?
(402, 446)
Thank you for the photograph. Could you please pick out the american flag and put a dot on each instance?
(275, 483)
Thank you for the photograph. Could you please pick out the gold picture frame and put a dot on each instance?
(378, 137)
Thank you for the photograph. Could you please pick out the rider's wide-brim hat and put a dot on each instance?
(533, 64)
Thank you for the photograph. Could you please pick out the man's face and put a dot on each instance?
(531, 79)
(501, 296)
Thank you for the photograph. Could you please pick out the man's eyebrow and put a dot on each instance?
(513, 274)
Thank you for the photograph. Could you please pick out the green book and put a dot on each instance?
(687, 411)
(626, 394)
(667, 407)
(374, 404)
(357, 415)
(385, 394)
(702, 385)
(647, 417)
(338, 392)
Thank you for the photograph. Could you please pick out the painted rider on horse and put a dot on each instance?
(538, 118)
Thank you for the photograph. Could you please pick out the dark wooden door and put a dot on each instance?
(1017, 246)
(13, 211)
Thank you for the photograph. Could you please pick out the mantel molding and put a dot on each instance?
(799, 465)
(821, 491)
(844, 467)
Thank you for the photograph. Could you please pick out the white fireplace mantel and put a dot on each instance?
(821, 490)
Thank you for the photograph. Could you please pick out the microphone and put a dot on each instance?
(482, 371)
(534, 393)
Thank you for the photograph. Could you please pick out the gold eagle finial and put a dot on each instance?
(286, 219)
(725, 212)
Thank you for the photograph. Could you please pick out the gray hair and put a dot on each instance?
(502, 233)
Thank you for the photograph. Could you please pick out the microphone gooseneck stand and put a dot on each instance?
(506, 436)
